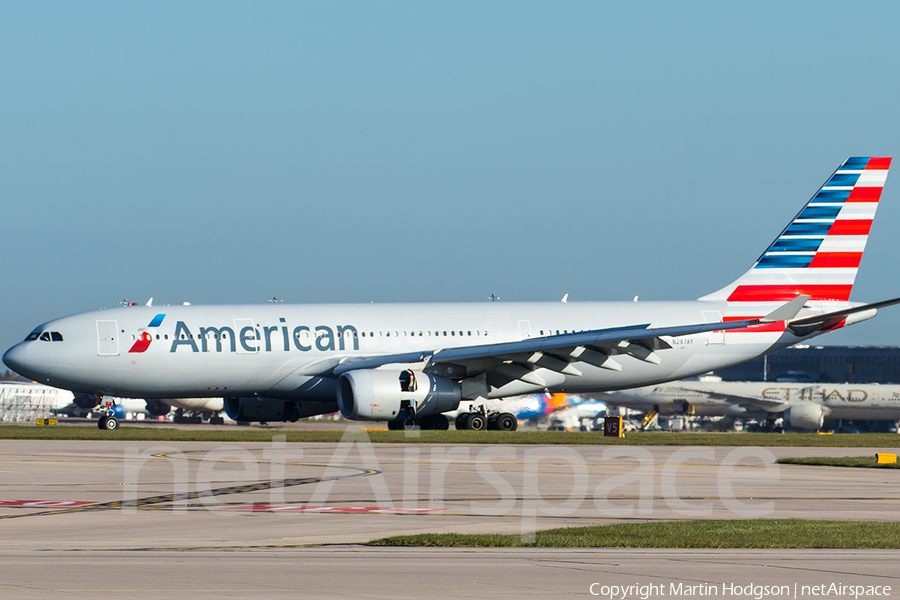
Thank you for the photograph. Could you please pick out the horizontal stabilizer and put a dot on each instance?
(807, 325)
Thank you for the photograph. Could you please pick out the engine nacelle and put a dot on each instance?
(86, 401)
(274, 409)
(375, 395)
(260, 409)
(805, 416)
(157, 408)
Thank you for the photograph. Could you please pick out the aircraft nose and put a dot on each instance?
(17, 360)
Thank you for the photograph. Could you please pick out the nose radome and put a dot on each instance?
(15, 358)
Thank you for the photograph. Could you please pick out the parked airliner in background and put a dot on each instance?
(802, 405)
(187, 410)
(409, 363)
(541, 409)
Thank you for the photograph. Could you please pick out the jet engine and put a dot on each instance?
(376, 395)
(157, 408)
(274, 409)
(805, 416)
(86, 401)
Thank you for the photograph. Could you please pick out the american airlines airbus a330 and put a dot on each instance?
(408, 363)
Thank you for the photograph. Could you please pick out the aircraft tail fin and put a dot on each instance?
(818, 253)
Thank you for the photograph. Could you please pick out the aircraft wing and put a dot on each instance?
(561, 353)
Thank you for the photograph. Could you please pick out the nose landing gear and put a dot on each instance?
(108, 420)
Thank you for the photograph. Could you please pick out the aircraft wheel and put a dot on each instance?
(462, 421)
(506, 422)
(477, 422)
(108, 423)
(395, 425)
(439, 423)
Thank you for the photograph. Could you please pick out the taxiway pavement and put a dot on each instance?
(140, 519)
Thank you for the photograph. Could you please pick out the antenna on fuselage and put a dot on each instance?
(493, 298)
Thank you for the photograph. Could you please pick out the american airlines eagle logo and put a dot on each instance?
(143, 342)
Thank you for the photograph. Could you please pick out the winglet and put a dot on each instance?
(786, 312)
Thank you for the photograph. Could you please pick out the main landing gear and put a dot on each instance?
(481, 419)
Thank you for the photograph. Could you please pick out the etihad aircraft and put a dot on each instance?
(802, 405)
(409, 363)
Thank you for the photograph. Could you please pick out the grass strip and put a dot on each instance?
(236, 434)
(748, 533)
(841, 461)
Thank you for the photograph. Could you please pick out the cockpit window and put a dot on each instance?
(45, 337)
(56, 336)
(32, 336)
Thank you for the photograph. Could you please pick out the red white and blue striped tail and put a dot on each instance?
(818, 253)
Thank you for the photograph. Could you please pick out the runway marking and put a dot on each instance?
(153, 502)
(156, 502)
(330, 509)
(45, 503)
(194, 548)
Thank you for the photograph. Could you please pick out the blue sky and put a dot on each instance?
(223, 152)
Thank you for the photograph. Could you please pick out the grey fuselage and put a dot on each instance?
(289, 351)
